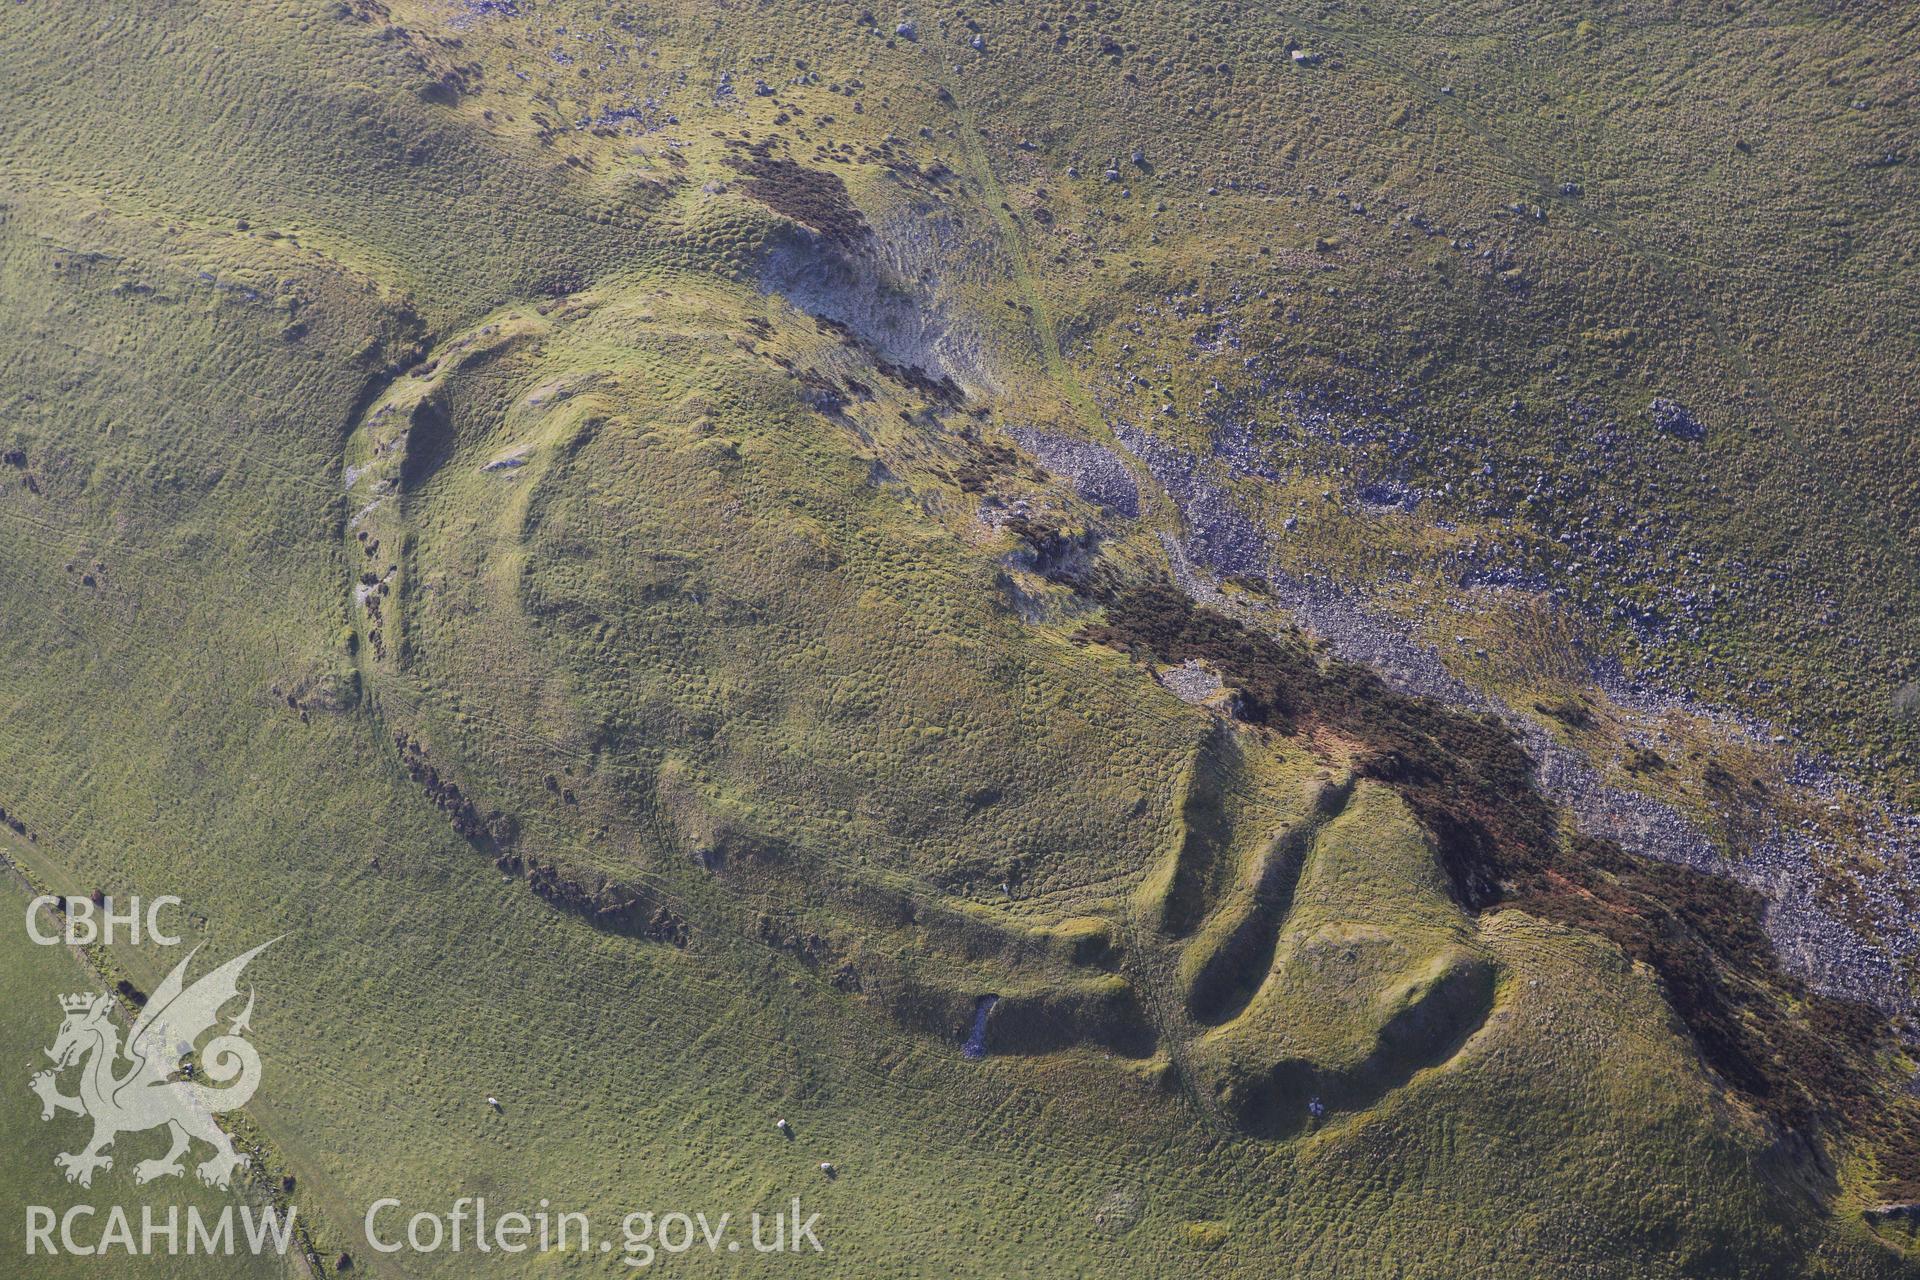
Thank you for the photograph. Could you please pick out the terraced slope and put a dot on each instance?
(1176, 653)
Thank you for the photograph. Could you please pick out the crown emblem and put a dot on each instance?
(78, 1003)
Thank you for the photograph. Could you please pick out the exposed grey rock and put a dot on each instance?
(1192, 682)
(1384, 496)
(1225, 540)
(873, 292)
(1675, 419)
(1095, 473)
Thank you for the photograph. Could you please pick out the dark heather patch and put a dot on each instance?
(811, 197)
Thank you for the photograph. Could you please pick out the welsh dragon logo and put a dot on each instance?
(151, 1082)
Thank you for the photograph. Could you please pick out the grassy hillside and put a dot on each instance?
(637, 540)
(35, 978)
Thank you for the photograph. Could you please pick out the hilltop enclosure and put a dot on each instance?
(1126, 638)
